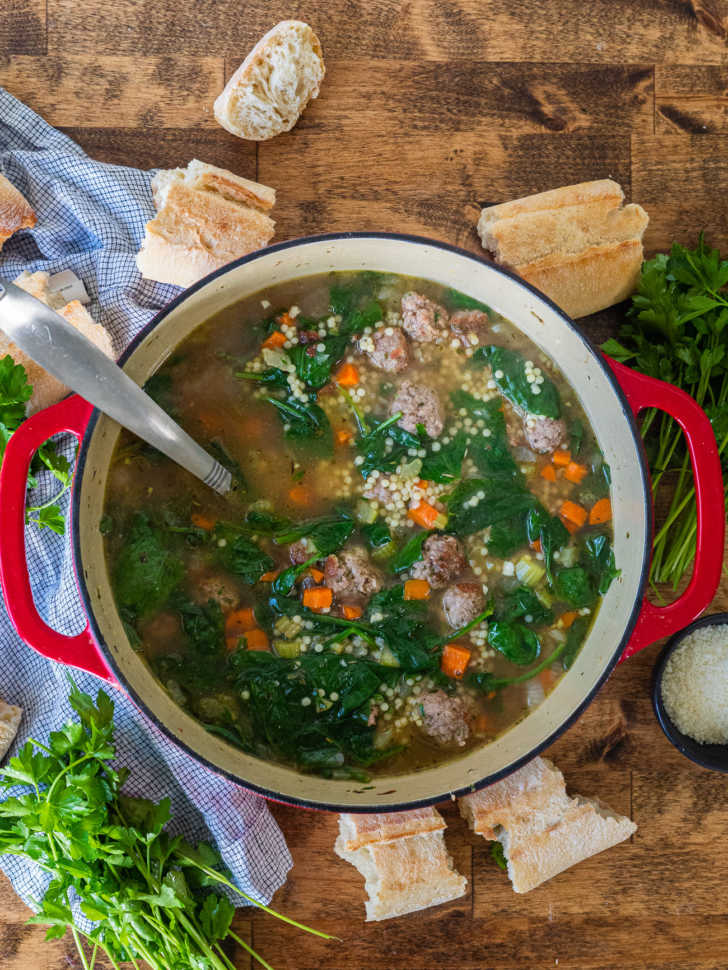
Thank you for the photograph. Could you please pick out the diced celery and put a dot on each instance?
(440, 522)
(387, 658)
(382, 553)
(287, 648)
(568, 556)
(411, 469)
(364, 512)
(545, 597)
(529, 571)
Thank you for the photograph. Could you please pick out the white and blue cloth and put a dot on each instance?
(91, 220)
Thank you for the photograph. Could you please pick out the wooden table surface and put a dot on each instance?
(430, 109)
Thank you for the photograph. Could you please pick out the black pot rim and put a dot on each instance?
(704, 755)
(439, 796)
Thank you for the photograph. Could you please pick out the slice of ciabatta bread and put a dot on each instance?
(206, 217)
(542, 830)
(578, 244)
(273, 85)
(15, 211)
(48, 390)
(403, 858)
(10, 716)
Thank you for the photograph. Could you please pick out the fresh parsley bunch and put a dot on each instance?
(15, 392)
(678, 332)
(152, 896)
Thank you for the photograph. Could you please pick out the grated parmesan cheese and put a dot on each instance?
(695, 685)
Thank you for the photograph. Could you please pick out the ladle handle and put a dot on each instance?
(71, 358)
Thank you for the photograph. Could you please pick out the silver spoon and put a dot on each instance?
(71, 358)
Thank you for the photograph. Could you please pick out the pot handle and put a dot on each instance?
(71, 414)
(655, 622)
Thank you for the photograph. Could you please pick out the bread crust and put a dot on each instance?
(10, 716)
(15, 211)
(578, 244)
(360, 830)
(247, 73)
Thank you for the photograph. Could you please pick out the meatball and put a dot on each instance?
(466, 323)
(419, 404)
(445, 718)
(300, 551)
(350, 573)
(387, 349)
(462, 603)
(216, 588)
(544, 434)
(423, 319)
(442, 561)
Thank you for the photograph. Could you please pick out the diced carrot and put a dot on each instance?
(318, 598)
(286, 320)
(300, 495)
(256, 640)
(600, 512)
(548, 473)
(573, 512)
(561, 458)
(569, 525)
(421, 483)
(481, 724)
(536, 545)
(455, 659)
(351, 612)
(315, 574)
(233, 642)
(269, 577)
(276, 339)
(202, 521)
(566, 619)
(240, 621)
(574, 472)
(343, 436)
(424, 514)
(347, 376)
(416, 589)
(547, 678)
(490, 696)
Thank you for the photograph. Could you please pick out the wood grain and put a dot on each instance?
(691, 99)
(22, 27)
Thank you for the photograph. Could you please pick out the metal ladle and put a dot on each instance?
(70, 357)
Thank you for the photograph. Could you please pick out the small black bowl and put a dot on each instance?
(713, 756)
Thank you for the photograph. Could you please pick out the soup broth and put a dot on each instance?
(416, 545)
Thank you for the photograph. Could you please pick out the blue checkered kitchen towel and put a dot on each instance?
(91, 220)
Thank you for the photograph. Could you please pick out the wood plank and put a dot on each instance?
(354, 182)
(123, 92)
(22, 27)
(169, 148)
(460, 96)
(678, 180)
(607, 31)
(691, 99)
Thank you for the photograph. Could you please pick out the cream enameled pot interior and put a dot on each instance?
(615, 433)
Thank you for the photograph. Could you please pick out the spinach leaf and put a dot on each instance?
(490, 451)
(241, 556)
(354, 302)
(159, 388)
(523, 602)
(445, 463)
(403, 628)
(550, 531)
(203, 623)
(455, 300)
(146, 570)
(327, 536)
(411, 552)
(270, 377)
(574, 586)
(576, 437)
(515, 641)
(574, 639)
(265, 522)
(377, 534)
(596, 484)
(313, 366)
(599, 562)
(507, 536)
(304, 421)
(513, 384)
(498, 856)
(384, 446)
(469, 513)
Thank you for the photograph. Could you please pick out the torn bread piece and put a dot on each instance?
(206, 217)
(10, 716)
(15, 211)
(542, 830)
(578, 244)
(403, 859)
(271, 88)
(46, 389)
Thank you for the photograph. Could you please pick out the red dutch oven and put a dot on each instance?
(612, 396)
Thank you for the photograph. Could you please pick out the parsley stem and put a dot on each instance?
(250, 950)
(464, 629)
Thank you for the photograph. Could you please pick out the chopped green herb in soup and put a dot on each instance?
(417, 542)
